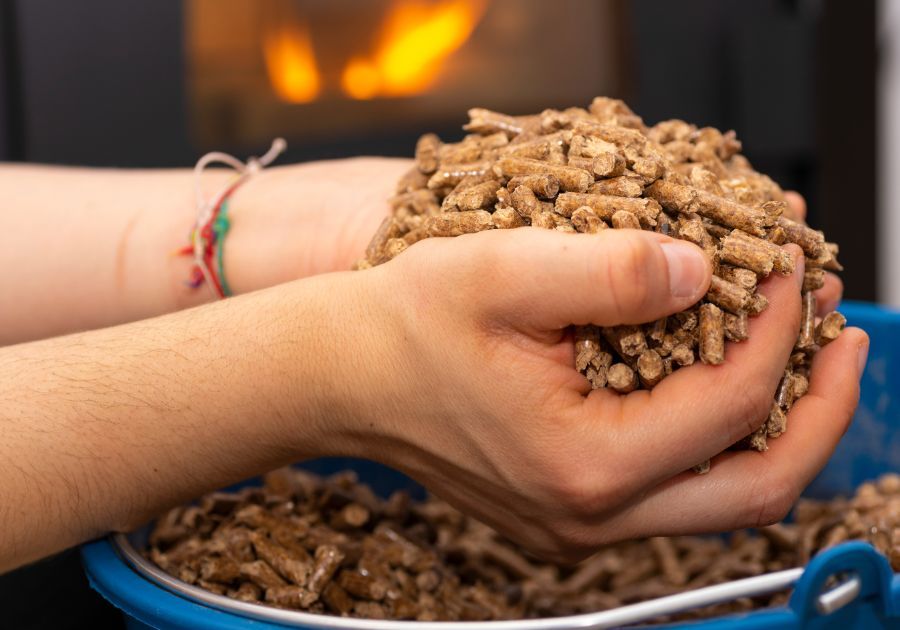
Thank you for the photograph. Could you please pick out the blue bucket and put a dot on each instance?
(867, 595)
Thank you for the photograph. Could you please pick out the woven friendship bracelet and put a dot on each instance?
(212, 224)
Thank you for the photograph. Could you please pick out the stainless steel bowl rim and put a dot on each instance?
(624, 615)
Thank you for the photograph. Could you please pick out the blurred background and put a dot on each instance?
(156, 83)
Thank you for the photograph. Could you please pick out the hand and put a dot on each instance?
(295, 221)
(463, 377)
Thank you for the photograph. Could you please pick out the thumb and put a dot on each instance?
(547, 280)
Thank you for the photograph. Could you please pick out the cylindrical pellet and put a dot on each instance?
(712, 334)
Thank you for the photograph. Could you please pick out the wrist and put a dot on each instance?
(348, 365)
(315, 361)
(297, 221)
(152, 279)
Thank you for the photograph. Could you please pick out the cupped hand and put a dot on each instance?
(462, 376)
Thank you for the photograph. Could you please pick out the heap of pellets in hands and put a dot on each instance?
(331, 546)
(588, 170)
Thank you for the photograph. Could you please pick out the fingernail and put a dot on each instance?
(861, 358)
(688, 269)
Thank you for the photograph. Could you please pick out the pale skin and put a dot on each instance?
(451, 363)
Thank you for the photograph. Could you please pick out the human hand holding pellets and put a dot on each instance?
(481, 331)
(599, 466)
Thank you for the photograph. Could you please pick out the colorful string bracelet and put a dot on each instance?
(206, 241)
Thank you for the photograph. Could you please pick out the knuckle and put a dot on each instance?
(580, 494)
(420, 258)
(576, 496)
(751, 409)
(484, 259)
(629, 268)
(433, 264)
(772, 502)
(499, 263)
(562, 457)
(484, 255)
(419, 266)
(845, 410)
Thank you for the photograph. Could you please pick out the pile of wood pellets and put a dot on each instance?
(588, 170)
(332, 546)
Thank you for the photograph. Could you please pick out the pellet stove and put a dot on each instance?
(319, 72)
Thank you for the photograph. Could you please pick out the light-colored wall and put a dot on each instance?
(888, 32)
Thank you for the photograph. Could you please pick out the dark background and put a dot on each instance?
(100, 82)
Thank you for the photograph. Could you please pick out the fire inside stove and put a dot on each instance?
(314, 70)
(412, 42)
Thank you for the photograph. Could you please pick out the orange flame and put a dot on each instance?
(291, 64)
(414, 38)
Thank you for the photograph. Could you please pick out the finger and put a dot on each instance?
(701, 410)
(749, 489)
(796, 203)
(829, 296)
(546, 280)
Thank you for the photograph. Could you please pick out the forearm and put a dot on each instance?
(86, 248)
(101, 430)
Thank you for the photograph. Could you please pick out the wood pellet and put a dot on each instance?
(589, 170)
(331, 546)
